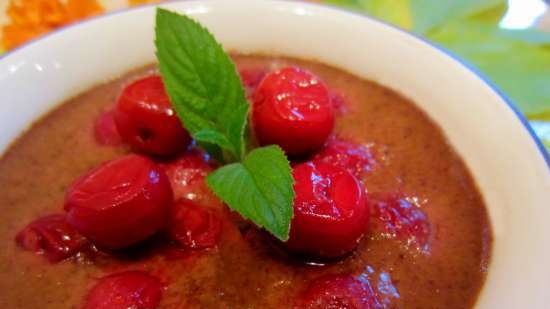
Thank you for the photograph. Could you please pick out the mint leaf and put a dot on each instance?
(202, 83)
(208, 97)
(259, 188)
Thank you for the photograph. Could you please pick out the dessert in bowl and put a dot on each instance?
(400, 200)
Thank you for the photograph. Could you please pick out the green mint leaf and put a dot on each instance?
(208, 97)
(202, 83)
(259, 188)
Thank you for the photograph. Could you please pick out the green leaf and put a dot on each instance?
(259, 188)
(430, 14)
(208, 97)
(521, 69)
(202, 83)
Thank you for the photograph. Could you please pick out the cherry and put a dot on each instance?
(397, 217)
(52, 237)
(105, 130)
(131, 289)
(338, 292)
(187, 173)
(292, 108)
(195, 227)
(356, 159)
(120, 202)
(330, 211)
(146, 120)
(251, 78)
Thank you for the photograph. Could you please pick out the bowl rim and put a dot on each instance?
(477, 152)
(470, 67)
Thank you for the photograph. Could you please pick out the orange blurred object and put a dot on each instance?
(32, 18)
(138, 2)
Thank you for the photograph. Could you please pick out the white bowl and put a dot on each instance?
(507, 161)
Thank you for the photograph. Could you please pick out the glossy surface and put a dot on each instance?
(127, 290)
(355, 158)
(331, 213)
(401, 217)
(338, 292)
(146, 120)
(120, 202)
(52, 237)
(517, 175)
(245, 269)
(186, 174)
(292, 109)
(194, 226)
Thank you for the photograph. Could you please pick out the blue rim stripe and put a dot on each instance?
(467, 65)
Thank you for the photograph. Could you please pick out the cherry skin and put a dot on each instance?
(131, 289)
(355, 158)
(338, 292)
(120, 203)
(193, 226)
(105, 130)
(187, 175)
(292, 109)
(396, 217)
(330, 211)
(146, 120)
(52, 237)
(251, 78)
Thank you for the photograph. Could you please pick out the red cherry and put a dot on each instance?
(397, 217)
(105, 130)
(131, 289)
(251, 78)
(338, 292)
(330, 211)
(292, 108)
(356, 159)
(146, 120)
(120, 203)
(186, 175)
(195, 227)
(52, 237)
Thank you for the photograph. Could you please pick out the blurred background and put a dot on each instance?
(507, 40)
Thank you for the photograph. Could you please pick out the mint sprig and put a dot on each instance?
(259, 188)
(207, 95)
(202, 83)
